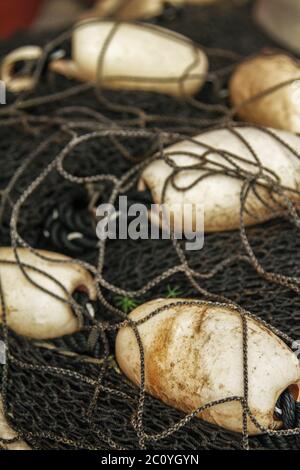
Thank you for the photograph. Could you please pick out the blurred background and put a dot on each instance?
(41, 15)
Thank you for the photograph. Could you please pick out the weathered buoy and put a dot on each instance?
(257, 94)
(217, 193)
(32, 312)
(6, 432)
(134, 57)
(194, 356)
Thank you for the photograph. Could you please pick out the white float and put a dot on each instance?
(32, 312)
(194, 356)
(220, 194)
(265, 89)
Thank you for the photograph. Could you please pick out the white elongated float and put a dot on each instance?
(122, 56)
(218, 193)
(31, 311)
(193, 355)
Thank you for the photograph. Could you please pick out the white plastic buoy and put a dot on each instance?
(219, 194)
(194, 356)
(137, 57)
(32, 312)
(265, 89)
(14, 83)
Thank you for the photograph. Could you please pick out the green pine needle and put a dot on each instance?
(173, 292)
(126, 304)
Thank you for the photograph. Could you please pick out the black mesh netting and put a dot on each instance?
(50, 406)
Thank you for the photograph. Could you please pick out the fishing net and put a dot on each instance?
(66, 147)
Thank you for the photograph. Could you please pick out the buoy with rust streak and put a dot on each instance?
(193, 354)
(32, 312)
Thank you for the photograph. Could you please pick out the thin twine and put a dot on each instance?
(98, 126)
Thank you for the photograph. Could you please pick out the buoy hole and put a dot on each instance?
(294, 391)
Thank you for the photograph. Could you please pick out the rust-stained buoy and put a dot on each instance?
(193, 355)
